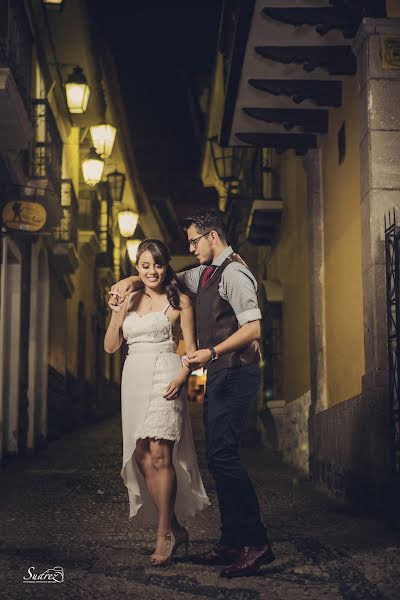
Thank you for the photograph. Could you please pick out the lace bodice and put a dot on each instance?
(150, 327)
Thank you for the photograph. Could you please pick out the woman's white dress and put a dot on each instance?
(151, 364)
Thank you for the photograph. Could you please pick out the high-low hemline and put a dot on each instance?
(151, 364)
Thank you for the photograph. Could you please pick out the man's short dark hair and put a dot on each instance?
(206, 220)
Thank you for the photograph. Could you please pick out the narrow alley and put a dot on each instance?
(242, 156)
(67, 507)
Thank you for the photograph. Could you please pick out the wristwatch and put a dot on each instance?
(214, 354)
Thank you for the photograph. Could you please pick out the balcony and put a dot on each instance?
(47, 148)
(264, 221)
(88, 221)
(15, 76)
(262, 189)
(105, 261)
(65, 251)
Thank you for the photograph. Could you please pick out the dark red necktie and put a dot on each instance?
(208, 271)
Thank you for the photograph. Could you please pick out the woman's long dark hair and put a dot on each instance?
(159, 251)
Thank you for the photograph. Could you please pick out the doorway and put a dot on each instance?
(38, 348)
(10, 331)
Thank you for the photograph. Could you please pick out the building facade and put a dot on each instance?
(61, 246)
(303, 114)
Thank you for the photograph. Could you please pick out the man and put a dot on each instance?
(228, 330)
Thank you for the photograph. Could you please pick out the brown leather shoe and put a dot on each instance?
(250, 560)
(218, 555)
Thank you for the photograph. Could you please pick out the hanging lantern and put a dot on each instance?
(92, 168)
(227, 161)
(116, 184)
(127, 221)
(77, 91)
(132, 247)
(103, 138)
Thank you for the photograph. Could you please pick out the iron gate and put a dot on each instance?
(392, 248)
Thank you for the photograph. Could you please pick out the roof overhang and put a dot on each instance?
(289, 60)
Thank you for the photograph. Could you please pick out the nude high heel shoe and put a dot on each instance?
(181, 538)
(160, 560)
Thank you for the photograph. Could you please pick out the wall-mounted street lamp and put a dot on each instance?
(227, 162)
(53, 4)
(116, 185)
(92, 168)
(132, 248)
(127, 221)
(103, 138)
(77, 91)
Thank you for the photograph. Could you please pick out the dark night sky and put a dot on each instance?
(160, 47)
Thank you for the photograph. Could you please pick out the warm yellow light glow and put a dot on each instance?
(132, 247)
(92, 168)
(56, 2)
(127, 221)
(77, 91)
(103, 137)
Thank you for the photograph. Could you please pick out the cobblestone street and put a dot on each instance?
(67, 506)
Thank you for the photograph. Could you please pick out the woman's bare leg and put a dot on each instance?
(144, 462)
(165, 484)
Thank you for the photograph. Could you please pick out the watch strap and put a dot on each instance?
(214, 354)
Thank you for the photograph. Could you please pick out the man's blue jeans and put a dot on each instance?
(227, 399)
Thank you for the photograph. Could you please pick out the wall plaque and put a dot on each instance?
(24, 215)
(390, 51)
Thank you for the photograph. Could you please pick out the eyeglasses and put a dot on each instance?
(195, 242)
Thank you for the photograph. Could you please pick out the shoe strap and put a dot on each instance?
(164, 535)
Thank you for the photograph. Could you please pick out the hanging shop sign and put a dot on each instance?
(24, 215)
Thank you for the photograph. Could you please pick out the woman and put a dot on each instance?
(159, 461)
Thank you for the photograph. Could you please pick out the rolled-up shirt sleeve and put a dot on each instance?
(239, 288)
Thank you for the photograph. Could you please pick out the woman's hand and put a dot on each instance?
(174, 388)
(113, 304)
(120, 290)
(120, 307)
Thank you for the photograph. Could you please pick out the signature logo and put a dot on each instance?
(53, 575)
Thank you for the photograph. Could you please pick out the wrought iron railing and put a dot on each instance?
(89, 211)
(67, 232)
(16, 44)
(105, 258)
(392, 247)
(47, 148)
(261, 180)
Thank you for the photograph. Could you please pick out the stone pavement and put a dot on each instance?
(67, 506)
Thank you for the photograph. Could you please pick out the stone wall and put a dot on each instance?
(350, 451)
(294, 439)
(284, 427)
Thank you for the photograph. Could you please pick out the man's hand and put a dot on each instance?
(120, 290)
(198, 359)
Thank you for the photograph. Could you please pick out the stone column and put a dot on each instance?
(379, 101)
(312, 164)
